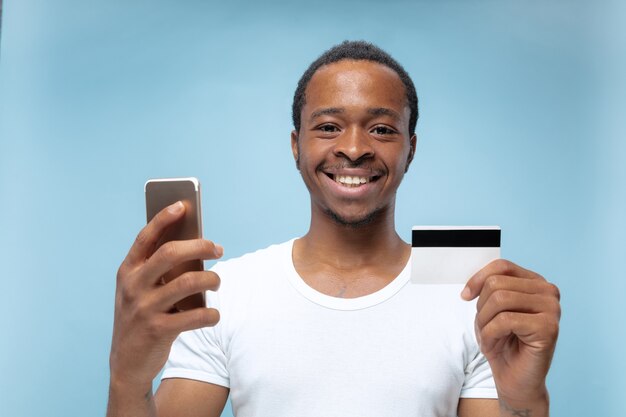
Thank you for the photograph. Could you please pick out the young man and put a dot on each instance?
(327, 324)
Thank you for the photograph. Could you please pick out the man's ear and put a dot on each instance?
(295, 149)
(412, 145)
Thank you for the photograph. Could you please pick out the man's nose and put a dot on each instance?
(354, 144)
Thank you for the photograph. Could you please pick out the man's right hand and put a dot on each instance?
(144, 327)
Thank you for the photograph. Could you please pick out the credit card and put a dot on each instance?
(452, 254)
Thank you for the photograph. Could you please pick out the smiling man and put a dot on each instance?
(328, 324)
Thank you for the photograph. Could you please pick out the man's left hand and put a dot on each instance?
(517, 325)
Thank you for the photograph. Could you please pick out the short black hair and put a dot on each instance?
(358, 51)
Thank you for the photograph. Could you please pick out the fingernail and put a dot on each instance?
(176, 208)
(465, 294)
(219, 250)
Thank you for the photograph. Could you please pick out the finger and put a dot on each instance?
(538, 330)
(496, 283)
(514, 302)
(174, 253)
(197, 318)
(148, 236)
(185, 285)
(498, 267)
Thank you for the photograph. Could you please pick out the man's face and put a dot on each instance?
(353, 146)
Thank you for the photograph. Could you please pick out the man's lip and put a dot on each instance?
(352, 172)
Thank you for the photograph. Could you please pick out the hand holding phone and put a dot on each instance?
(144, 328)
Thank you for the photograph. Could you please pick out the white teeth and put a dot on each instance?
(351, 180)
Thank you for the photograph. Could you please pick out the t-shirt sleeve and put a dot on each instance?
(479, 381)
(198, 354)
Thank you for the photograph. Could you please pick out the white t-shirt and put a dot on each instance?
(285, 349)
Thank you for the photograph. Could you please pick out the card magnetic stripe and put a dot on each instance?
(487, 238)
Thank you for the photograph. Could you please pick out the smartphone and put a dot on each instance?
(162, 192)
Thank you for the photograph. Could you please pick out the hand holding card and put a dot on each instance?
(517, 325)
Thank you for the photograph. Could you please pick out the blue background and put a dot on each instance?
(521, 119)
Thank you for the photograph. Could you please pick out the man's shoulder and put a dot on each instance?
(252, 273)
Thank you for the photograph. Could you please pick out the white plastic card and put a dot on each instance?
(452, 254)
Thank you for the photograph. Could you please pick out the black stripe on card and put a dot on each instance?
(463, 238)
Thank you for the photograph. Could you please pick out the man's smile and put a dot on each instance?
(352, 180)
(350, 185)
(352, 177)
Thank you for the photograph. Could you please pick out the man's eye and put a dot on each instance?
(383, 130)
(328, 128)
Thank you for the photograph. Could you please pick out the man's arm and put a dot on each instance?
(185, 397)
(174, 397)
(478, 407)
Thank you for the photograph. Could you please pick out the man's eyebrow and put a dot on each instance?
(325, 111)
(383, 111)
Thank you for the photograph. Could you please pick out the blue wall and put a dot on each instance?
(520, 126)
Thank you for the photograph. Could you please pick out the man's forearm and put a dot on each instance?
(127, 401)
(538, 408)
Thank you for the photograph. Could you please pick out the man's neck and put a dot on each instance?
(345, 246)
(348, 261)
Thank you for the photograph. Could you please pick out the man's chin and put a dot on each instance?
(354, 222)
